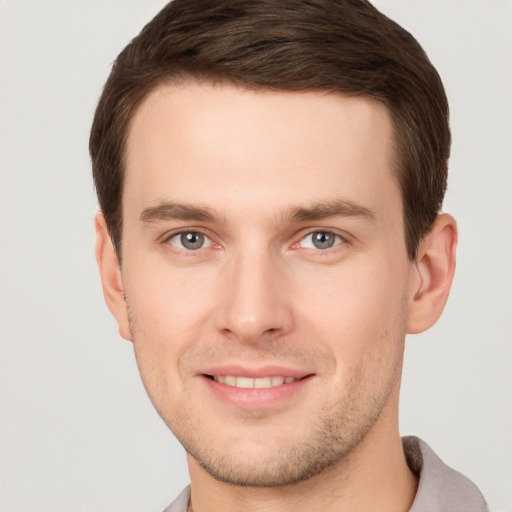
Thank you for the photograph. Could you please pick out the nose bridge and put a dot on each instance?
(255, 303)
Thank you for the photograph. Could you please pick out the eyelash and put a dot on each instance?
(340, 240)
(176, 235)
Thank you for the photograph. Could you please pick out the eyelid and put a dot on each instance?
(167, 237)
(343, 239)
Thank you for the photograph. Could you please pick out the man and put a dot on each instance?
(270, 176)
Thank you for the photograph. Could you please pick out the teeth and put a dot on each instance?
(244, 382)
(262, 383)
(277, 381)
(250, 383)
(230, 381)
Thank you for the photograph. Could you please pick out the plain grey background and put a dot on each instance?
(77, 432)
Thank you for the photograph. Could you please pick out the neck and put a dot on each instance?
(374, 476)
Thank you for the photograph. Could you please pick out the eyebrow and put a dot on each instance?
(177, 211)
(325, 209)
(180, 211)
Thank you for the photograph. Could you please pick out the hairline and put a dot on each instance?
(187, 78)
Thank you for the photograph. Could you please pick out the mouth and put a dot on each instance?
(243, 382)
(254, 388)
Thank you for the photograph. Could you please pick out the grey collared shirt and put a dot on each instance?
(440, 488)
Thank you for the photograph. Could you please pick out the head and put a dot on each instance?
(270, 176)
(345, 47)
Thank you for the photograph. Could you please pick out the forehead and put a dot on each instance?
(224, 145)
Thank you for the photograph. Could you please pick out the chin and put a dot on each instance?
(268, 462)
(280, 469)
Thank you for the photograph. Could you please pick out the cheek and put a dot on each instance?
(168, 313)
(358, 310)
(166, 302)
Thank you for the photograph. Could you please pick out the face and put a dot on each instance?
(265, 274)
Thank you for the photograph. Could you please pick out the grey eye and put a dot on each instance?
(321, 240)
(190, 241)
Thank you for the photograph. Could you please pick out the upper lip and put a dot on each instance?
(255, 372)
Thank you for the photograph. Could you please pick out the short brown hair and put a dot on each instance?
(343, 46)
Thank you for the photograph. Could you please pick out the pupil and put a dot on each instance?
(192, 240)
(322, 240)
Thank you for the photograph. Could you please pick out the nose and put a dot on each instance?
(255, 301)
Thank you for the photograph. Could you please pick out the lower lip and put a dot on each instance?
(256, 398)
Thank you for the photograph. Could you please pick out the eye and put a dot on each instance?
(190, 241)
(321, 240)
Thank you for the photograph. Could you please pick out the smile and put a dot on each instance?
(249, 382)
(257, 388)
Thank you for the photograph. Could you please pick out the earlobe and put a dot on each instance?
(434, 270)
(110, 273)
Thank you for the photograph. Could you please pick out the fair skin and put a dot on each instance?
(263, 246)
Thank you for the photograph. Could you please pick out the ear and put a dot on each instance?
(434, 267)
(111, 279)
